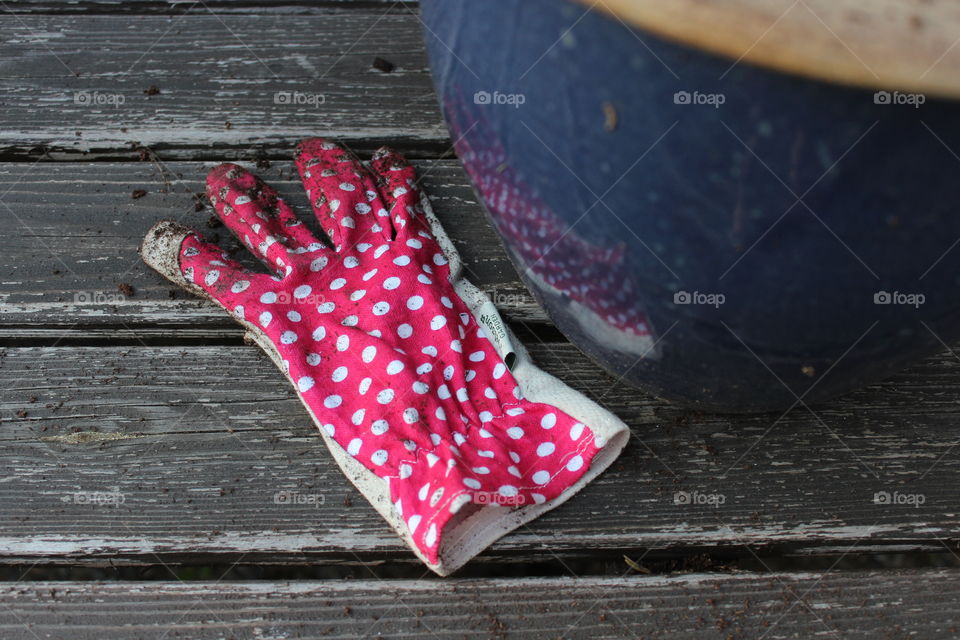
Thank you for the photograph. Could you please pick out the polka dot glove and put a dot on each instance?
(415, 383)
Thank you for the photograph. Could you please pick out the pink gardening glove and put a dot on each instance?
(384, 344)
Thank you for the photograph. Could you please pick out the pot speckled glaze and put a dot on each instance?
(723, 235)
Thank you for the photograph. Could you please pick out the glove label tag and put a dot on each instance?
(489, 319)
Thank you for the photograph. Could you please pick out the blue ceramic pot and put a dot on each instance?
(720, 234)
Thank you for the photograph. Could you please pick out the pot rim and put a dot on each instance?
(896, 45)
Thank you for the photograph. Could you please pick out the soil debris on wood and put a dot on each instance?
(138, 193)
(384, 65)
(199, 200)
(152, 90)
(636, 566)
(126, 289)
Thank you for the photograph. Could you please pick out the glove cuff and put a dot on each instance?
(529, 456)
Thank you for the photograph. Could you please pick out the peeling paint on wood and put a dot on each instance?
(210, 459)
(273, 77)
(74, 235)
(854, 604)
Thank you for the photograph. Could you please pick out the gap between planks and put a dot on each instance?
(863, 604)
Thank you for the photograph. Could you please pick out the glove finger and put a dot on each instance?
(399, 190)
(259, 217)
(343, 194)
(179, 254)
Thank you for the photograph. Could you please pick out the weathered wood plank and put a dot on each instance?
(72, 232)
(858, 604)
(138, 454)
(78, 83)
(181, 6)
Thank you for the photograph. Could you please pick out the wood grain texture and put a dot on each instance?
(777, 606)
(193, 449)
(73, 230)
(146, 453)
(908, 45)
(126, 7)
(76, 83)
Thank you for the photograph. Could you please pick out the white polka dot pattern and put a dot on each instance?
(379, 345)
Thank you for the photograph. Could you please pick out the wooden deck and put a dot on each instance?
(136, 504)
